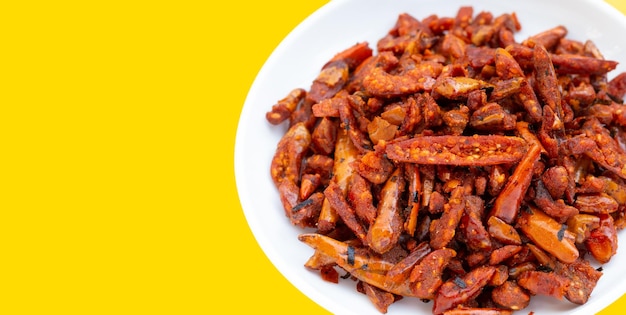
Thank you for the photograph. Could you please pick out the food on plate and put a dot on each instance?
(453, 164)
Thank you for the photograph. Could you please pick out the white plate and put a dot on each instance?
(298, 60)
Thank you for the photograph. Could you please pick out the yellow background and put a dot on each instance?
(117, 129)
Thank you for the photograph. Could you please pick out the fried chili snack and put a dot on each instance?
(457, 165)
(458, 150)
(285, 107)
(426, 276)
(385, 232)
(289, 153)
(548, 234)
(459, 290)
(345, 153)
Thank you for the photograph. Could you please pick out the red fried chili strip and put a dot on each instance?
(503, 253)
(458, 87)
(289, 153)
(334, 194)
(360, 196)
(583, 279)
(461, 289)
(329, 274)
(344, 254)
(522, 129)
(510, 198)
(544, 283)
(511, 296)
(407, 24)
(549, 235)
(361, 263)
(480, 56)
(412, 175)
(565, 63)
(443, 230)
(617, 86)
(574, 64)
(503, 232)
(350, 125)
(283, 109)
(329, 81)
(306, 213)
(555, 208)
(354, 55)
(288, 193)
(345, 154)
(506, 88)
(383, 84)
(602, 242)
(330, 107)
(607, 152)
(374, 166)
(426, 275)
(458, 150)
(324, 136)
(476, 235)
(548, 38)
(309, 184)
(400, 271)
(385, 232)
(381, 299)
(507, 68)
(546, 80)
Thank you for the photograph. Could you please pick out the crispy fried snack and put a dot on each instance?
(457, 165)
(458, 150)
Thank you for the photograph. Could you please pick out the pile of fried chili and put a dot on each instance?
(457, 165)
